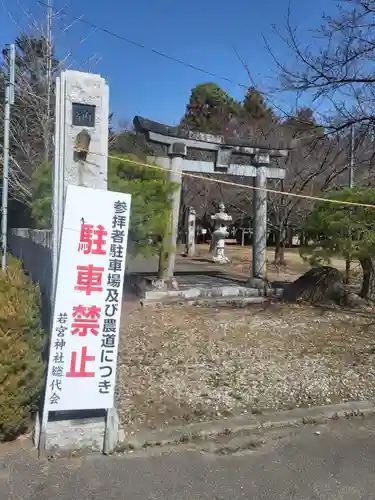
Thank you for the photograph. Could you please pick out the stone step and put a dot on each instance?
(215, 292)
(219, 295)
(235, 302)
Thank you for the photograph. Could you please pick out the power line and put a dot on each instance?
(40, 30)
(197, 68)
(150, 49)
(165, 56)
(235, 184)
(229, 183)
(162, 54)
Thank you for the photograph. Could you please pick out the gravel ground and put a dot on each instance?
(185, 364)
(240, 258)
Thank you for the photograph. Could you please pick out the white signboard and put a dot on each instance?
(87, 309)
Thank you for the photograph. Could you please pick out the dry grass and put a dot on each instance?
(183, 364)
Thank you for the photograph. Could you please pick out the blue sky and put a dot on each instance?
(200, 32)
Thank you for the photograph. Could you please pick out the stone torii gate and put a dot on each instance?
(174, 150)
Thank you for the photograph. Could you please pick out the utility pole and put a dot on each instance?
(9, 100)
(351, 185)
(47, 128)
(351, 167)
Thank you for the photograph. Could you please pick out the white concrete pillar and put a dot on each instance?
(86, 108)
(82, 103)
(260, 218)
(177, 153)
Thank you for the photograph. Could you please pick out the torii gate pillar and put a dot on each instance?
(259, 162)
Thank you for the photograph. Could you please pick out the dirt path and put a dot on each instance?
(241, 259)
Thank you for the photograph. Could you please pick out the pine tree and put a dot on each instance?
(254, 106)
(210, 109)
(345, 230)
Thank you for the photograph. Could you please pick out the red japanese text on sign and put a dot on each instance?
(81, 372)
(92, 239)
(85, 320)
(89, 279)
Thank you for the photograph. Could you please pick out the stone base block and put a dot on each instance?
(80, 430)
(220, 259)
(258, 283)
(149, 294)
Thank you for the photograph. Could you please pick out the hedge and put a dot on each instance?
(21, 342)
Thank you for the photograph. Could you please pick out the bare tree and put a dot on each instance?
(315, 165)
(339, 69)
(205, 195)
(32, 125)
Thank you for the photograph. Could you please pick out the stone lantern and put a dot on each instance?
(222, 219)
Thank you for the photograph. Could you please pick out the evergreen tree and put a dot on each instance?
(254, 106)
(304, 123)
(210, 109)
(345, 230)
(151, 193)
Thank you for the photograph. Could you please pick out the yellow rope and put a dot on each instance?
(229, 183)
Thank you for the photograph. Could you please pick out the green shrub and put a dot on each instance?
(21, 343)
(151, 192)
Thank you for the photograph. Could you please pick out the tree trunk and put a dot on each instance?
(279, 249)
(162, 268)
(164, 250)
(212, 244)
(347, 271)
(304, 241)
(290, 237)
(368, 283)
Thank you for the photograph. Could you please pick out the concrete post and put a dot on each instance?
(86, 108)
(177, 153)
(82, 107)
(190, 246)
(82, 103)
(260, 219)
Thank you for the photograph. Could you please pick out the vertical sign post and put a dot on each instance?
(87, 307)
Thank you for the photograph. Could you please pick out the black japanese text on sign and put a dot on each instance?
(113, 292)
(57, 370)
